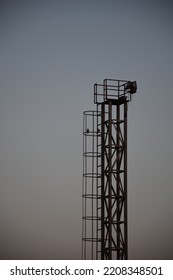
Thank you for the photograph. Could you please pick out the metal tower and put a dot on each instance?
(104, 194)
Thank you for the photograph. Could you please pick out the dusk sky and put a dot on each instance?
(51, 54)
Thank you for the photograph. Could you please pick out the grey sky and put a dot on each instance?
(51, 54)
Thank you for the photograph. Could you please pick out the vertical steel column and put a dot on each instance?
(97, 193)
(102, 181)
(118, 177)
(125, 185)
(110, 182)
(113, 162)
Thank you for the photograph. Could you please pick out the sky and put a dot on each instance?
(51, 54)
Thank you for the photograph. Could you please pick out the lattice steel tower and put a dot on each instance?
(104, 194)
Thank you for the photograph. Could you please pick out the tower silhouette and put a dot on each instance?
(104, 187)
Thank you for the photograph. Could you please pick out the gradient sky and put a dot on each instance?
(51, 54)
